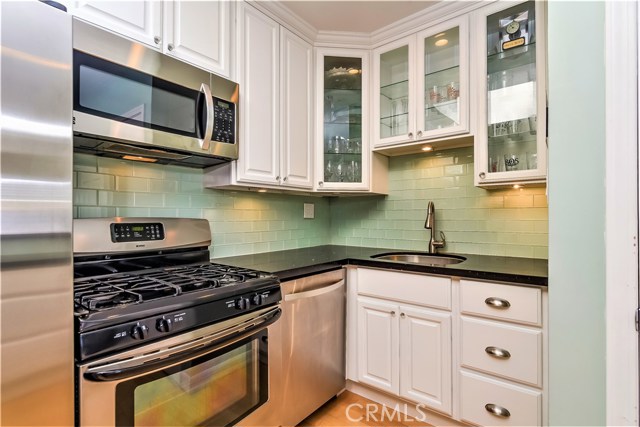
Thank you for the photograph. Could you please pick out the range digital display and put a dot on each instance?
(133, 232)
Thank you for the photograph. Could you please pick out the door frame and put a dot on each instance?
(621, 227)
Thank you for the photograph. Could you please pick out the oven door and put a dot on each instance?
(213, 376)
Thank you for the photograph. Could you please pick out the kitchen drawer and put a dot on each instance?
(418, 289)
(506, 302)
(524, 405)
(483, 341)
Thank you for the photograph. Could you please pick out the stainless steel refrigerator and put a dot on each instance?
(36, 273)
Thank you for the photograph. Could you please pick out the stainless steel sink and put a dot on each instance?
(420, 258)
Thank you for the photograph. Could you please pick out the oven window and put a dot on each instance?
(218, 389)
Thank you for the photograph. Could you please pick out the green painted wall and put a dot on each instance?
(241, 222)
(577, 213)
(476, 221)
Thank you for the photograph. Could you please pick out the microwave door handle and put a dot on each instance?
(233, 334)
(208, 129)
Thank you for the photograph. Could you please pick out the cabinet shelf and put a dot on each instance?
(395, 120)
(443, 74)
(512, 58)
(395, 90)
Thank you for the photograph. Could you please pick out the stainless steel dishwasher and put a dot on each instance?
(313, 343)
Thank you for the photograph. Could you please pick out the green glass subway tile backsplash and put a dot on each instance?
(241, 222)
(497, 222)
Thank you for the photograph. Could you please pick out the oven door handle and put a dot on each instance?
(230, 335)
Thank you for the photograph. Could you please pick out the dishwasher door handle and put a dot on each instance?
(315, 292)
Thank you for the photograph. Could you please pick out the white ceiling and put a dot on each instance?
(363, 16)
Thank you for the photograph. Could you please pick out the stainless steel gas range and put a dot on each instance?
(163, 336)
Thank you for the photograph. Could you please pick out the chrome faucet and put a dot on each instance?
(429, 224)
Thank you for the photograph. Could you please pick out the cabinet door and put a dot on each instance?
(296, 80)
(342, 138)
(425, 357)
(378, 344)
(258, 160)
(199, 32)
(442, 80)
(394, 85)
(510, 143)
(138, 20)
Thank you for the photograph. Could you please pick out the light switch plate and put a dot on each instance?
(309, 211)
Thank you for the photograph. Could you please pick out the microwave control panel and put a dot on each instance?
(224, 121)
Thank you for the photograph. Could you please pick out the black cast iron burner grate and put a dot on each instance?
(107, 292)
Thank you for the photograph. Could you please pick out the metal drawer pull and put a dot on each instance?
(498, 411)
(497, 352)
(497, 302)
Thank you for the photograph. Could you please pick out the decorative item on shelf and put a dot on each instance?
(514, 31)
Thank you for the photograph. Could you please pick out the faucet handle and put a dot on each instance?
(442, 236)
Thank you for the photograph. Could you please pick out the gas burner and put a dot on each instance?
(117, 290)
(107, 293)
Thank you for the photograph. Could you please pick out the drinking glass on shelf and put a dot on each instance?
(532, 161)
(453, 91)
(434, 95)
(511, 162)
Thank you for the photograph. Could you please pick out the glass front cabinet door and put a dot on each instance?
(343, 150)
(421, 85)
(510, 145)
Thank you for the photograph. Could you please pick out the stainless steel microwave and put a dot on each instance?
(133, 102)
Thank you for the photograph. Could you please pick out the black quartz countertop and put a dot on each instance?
(296, 263)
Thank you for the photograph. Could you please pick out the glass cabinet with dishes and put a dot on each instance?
(443, 79)
(510, 145)
(343, 159)
(421, 85)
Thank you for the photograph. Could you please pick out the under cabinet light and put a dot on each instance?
(427, 148)
(140, 159)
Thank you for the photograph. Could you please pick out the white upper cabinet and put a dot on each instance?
(296, 88)
(276, 109)
(138, 20)
(421, 86)
(443, 80)
(198, 32)
(259, 154)
(510, 143)
(341, 116)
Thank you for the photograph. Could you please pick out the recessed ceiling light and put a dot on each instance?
(353, 71)
(441, 42)
(427, 148)
(439, 35)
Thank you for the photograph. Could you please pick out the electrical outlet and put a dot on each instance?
(309, 209)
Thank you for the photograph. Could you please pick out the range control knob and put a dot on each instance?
(164, 325)
(242, 303)
(139, 332)
(258, 299)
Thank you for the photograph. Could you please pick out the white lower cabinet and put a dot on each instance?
(378, 340)
(487, 402)
(403, 349)
(425, 357)
(470, 350)
(502, 340)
